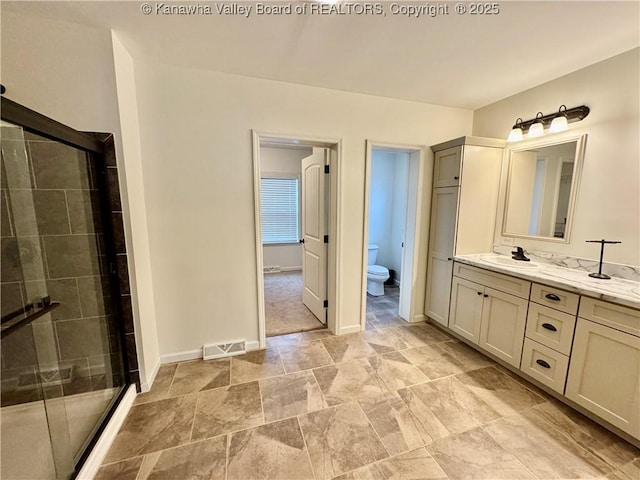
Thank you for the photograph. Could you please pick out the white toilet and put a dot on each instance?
(376, 274)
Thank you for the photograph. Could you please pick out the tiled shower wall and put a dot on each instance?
(69, 238)
(124, 303)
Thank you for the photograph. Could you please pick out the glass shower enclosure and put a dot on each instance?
(63, 367)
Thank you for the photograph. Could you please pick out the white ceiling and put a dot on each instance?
(462, 61)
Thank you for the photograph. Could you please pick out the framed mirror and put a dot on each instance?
(542, 186)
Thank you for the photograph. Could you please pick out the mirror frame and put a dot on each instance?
(581, 141)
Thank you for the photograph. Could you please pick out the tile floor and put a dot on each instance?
(394, 401)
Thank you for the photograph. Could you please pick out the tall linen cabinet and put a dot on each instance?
(466, 182)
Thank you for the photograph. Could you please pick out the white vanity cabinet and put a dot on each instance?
(585, 349)
(466, 179)
(604, 373)
(483, 312)
(549, 334)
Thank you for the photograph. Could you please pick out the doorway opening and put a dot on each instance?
(295, 195)
(392, 214)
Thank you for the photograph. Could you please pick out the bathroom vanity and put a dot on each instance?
(572, 335)
(576, 337)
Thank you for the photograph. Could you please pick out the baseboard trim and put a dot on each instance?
(282, 269)
(181, 356)
(146, 386)
(419, 318)
(252, 346)
(101, 448)
(350, 329)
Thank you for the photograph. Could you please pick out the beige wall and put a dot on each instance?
(143, 297)
(66, 71)
(196, 140)
(62, 70)
(608, 203)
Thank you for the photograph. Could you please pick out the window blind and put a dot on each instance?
(279, 198)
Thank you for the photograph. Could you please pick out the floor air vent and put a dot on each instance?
(272, 269)
(223, 350)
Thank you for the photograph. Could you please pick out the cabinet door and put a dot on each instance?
(502, 329)
(604, 374)
(466, 308)
(446, 168)
(440, 264)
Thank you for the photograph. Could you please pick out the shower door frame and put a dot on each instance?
(101, 151)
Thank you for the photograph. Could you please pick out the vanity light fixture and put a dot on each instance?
(537, 128)
(556, 122)
(515, 135)
(560, 122)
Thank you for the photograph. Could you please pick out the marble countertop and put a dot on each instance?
(616, 290)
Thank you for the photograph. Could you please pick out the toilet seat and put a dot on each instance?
(377, 270)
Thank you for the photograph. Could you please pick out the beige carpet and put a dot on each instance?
(284, 310)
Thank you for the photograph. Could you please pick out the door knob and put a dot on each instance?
(301, 240)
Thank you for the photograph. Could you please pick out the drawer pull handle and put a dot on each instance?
(552, 296)
(542, 363)
(548, 326)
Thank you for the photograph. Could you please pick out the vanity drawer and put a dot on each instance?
(616, 316)
(550, 327)
(545, 365)
(555, 298)
(504, 283)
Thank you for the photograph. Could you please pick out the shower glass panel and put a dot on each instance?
(62, 361)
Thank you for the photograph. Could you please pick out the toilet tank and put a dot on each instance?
(372, 254)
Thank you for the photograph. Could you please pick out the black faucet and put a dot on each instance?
(519, 255)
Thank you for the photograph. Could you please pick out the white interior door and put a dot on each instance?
(408, 249)
(314, 251)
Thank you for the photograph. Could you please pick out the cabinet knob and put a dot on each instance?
(456, 178)
(486, 295)
(449, 258)
(552, 296)
(479, 293)
(542, 363)
(548, 326)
